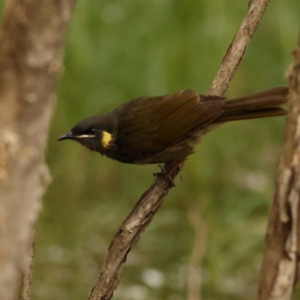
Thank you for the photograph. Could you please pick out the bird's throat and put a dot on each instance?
(106, 138)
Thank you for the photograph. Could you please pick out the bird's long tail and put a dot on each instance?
(264, 104)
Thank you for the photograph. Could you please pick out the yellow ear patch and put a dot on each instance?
(106, 138)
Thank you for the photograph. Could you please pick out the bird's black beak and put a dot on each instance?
(67, 136)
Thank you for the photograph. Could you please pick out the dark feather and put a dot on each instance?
(165, 129)
(160, 122)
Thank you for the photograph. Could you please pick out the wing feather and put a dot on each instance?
(148, 125)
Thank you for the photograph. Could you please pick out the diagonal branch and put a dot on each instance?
(237, 48)
(146, 207)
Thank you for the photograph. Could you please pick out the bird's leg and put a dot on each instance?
(168, 169)
(162, 168)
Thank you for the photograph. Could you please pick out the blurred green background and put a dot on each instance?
(118, 50)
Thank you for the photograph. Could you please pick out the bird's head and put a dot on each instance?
(94, 133)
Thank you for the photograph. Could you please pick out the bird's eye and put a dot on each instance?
(90, 131)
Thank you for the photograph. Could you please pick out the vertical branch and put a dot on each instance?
(281, 256)
(26, 280)
(194, 278)
(31, 49)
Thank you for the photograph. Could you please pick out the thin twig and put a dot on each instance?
(143, 212)
(237, 49)
(281, 256)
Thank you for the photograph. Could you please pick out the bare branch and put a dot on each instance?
(31, 48)
(281, 256)
(237, 49)
(143, 212)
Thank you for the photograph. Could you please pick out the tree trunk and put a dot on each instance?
(31, 49)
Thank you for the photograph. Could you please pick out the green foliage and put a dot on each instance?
(118, 50)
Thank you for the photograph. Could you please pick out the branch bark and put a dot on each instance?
(236, 50)
(146, 207)
(280, 264)
(31, 49)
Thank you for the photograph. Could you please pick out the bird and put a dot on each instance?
(165, 129)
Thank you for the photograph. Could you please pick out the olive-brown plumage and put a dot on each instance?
(165, 129)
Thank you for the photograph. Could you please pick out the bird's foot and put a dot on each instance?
(168, 169)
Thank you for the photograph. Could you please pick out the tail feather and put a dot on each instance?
(264, 104)
(264, 113)
(270, 98)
